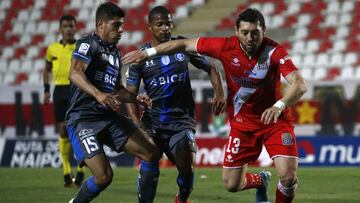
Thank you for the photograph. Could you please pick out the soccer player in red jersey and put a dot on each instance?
(253, 65)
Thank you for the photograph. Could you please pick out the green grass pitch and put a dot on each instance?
(317, 185)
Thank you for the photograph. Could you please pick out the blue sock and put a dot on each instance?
(88, 191)
(185, 186)
(147, 181)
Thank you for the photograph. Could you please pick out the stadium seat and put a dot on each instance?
(26, 66)
(347, 6)
(339, 45)
(18, 28)
(312, 46)
(9, 78)
(181, 12)
(3, 66)
(309, 60)
(14, 66)
(342, 32)
(293, 8)
(24, 40)
(34, 78)
(319, 73)
(346, 73)
(32, 52)
(307, 73)
(303, 20)
(350, 58)
(268, 8)
(23, 15)
(298, 47)
(276, 21)
(8, 52)
(322, 60)
(345, 19)
(39, 65)
(336, 59)
(333, 7)
(331, 20)
(41, 4)
(300, 33)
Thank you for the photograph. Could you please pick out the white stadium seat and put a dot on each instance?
(24, 40)
(333, 7)
(268, 8)
(35, 15)
(309, 60)
(42, 27)
(336, 59)
(8, 52)
(181, 12)
(319, 73)
(307, 73)
(322, 60)
(300, 33)
(296, 59)
(26, 66)
(342, 32)
(276, 21)
(9, 78)
(34, 78)
(32, 52)
(339, 45)
(293, 8)
(23, 15)
(350, 58)
(346, 73)
(3, 66)
(345, 19)
(298, 47)
(304, 20)
(347, 6)
(39, 65)
(312, 46)
(14, 66)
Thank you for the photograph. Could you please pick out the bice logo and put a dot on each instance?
(84, 133)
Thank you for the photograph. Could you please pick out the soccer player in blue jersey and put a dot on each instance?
(95, 94)
(171, 120)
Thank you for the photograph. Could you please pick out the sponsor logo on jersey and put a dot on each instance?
(286, 139)
(165, 60)
(235, 62)
(84, 48)
(84, 133)
(169, 79)
(179, 57)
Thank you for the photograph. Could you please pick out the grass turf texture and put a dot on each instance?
(317, 185)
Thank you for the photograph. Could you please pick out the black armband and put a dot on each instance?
(46, 88)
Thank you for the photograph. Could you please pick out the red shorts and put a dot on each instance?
(245, 146)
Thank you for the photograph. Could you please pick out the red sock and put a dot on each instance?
(253, 180)
(281, 197)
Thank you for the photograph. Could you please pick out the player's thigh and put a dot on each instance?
(141, 145)
(182, 150)
(233, 178)
(286, 166)
(242, 147)
(99, 167)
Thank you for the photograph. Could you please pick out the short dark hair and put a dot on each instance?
(158, 10)
(67, 18)
(251, 15)
(107, 11)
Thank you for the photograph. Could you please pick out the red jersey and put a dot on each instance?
(253, 83)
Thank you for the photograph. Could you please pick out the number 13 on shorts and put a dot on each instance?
(233, 145)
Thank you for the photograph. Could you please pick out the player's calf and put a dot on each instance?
(285, 194)
(147, 181)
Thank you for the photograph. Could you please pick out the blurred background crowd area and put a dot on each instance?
(322, 38)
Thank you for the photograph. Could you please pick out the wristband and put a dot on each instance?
(46, 88)
(151, 52)
(280, 104)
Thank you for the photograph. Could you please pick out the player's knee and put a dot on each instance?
(289, 179)
(104, 179)
(153, 155)
(231, 186)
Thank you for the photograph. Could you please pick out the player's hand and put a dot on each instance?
(134, 57)
(108, 100)
(46, 98)
(218, 105)
(144, 100)
(270, 115)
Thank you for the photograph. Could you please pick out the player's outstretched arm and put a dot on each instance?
(126, 96)
(219, 101)
(136, 57)
(296, 90)
(78, 77)
(132, 108)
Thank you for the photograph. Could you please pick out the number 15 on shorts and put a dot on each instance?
(90, 144)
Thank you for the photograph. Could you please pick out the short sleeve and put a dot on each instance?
(84, 50)
(199, 61)
(133, 76)
(281, 59)
(211, 46)
(49, 56)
